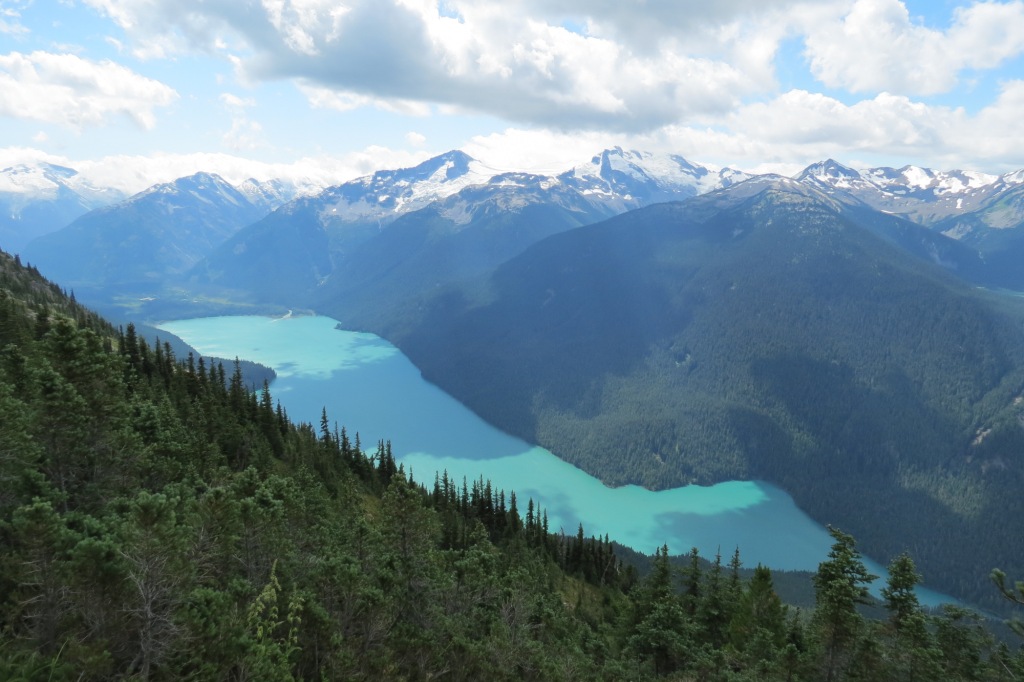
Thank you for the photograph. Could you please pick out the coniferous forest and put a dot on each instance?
(160, 519)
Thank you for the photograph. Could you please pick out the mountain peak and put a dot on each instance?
(448, 166)
(268, 194)
(771, 186)
(186, 182)
(645, 177)
(201, 180)
(204, 187)
(34, 179)
(829, 170)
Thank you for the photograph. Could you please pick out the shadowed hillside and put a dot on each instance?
(762, 336)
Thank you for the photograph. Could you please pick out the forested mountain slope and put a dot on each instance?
(294, 255)
(449, 241)
(761, 336)
(36, 199)
(996, 230)
(158, 521)
(134, 246)
(376, 241)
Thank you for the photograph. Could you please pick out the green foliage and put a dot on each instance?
(770, 338)
(159, 520)
(840, 586)
(913, 653)
(274, 642)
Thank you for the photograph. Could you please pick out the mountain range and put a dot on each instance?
(921, 195)
(42, 198)
(772, 336)
(310, 237)
(982, 211)
(139, 242)
(846, 334)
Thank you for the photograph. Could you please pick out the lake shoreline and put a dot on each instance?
(369, 386)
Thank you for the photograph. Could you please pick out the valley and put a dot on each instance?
(360, 379)
(660, 324)
(453, 340)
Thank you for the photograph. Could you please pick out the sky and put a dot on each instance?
(133, 92)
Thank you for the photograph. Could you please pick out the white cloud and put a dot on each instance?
(798, 128)
(10, 19)
(11, 27)
(693, 78)
(628, 69)
(235, 102)
(876, 47)
(131, 174)
(698, 27)
(245, 135)
(994, 133)
(795, 129)
(338, 100)
(989, 33)
(540, 150)
(69, 90)
(40, 137)
(574, 64)
(511, 65)
(811, 119)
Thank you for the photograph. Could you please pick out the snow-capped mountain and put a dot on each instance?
(922, 195)
(996, 231)
(450, 204)
(454, 239)
(44, 180)
(205, 188)
(388, 194)
(446, 211)
(392, 218)
(631, 179)
(139, 241)
(271, 194)
(38, 199)
(615, 179)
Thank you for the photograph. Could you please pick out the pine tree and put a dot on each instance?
(712, 611)
(840, 585)
(662, 635)
(692, 578)
(912, 655)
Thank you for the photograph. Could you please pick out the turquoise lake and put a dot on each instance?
(370, 387)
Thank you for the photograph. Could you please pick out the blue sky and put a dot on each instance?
(138, 91)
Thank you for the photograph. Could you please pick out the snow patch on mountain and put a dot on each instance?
(630, 179)
(40, 181)
(271, 194)
(611, 182)
(385, 195)
(202, 188)
(907, 181)
(1014, 178)
(917, 178)
(920, 194)
(47, 181)
(36, 199)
